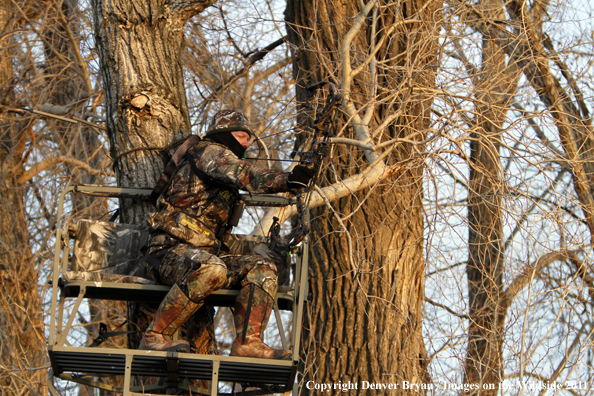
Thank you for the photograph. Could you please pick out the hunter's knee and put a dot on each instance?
(207, 279)
(263, 275)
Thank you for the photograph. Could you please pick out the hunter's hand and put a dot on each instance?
(299, 177)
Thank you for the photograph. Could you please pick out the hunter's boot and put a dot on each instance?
(252, 310)
(175, 309)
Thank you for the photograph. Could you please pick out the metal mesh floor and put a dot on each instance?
(160, 364)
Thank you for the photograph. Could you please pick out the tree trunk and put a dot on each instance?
(22, 339)
(364, 323)
(571, 115)
(532, 52)
(495, 84)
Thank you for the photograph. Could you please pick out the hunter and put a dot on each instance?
(185, 248)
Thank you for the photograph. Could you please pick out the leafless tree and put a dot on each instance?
(38, 156)
(22, 338)
(452, 220)
(525, 195)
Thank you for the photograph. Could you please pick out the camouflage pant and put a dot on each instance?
(199, 272)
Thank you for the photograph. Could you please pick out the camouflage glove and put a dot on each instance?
(299, 177)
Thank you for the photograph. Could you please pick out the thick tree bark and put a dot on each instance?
(364, 322)
(22, 339)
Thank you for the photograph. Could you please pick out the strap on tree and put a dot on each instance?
(172, 166)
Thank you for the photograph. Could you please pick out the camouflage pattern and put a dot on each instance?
(185, 229)
(260, 309)
(255, 244)
(228, 120)
(175, 309)
(199, 272)
(246, 269)
(104, 277)
(196, 271)
(111, 247)
(207, 200)
(251, 314)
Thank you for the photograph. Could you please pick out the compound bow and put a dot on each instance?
(311, 158)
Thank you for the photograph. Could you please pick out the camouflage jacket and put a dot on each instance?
(202, 193)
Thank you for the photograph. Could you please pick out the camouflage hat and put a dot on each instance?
(228, 121)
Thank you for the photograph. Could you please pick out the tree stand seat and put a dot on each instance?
(150, 293)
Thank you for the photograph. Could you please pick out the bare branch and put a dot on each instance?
(530, 272)
(59, 159)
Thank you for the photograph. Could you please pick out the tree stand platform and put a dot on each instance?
(271, 376)
(115, 245)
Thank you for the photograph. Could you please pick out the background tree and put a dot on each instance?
(22, 338)
(523, 237)
(34, 155)
(494, 88)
